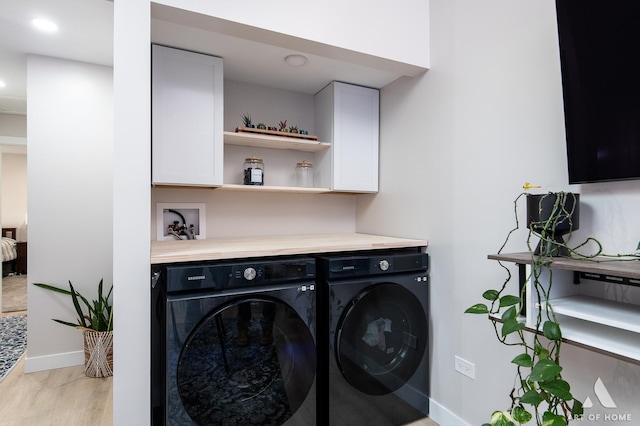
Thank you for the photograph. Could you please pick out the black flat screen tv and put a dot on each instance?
(600, 65)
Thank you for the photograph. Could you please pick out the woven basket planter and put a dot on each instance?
(98, 353)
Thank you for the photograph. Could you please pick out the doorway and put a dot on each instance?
(13, 201)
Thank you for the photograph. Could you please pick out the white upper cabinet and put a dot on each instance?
(187, 118)
(348, 117)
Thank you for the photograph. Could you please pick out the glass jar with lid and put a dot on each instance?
(304, 174)
(253, 171)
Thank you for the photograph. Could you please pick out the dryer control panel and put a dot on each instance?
(373, 263)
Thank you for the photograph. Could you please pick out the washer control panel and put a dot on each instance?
(219, 275)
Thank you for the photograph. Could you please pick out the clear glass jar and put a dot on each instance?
(304, 174)
(253, 171)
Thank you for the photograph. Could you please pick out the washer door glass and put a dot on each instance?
(381, 338)
(251, 362)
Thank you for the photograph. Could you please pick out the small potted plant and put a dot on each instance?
(283, 126)
(293, 129)
(261, 126)
(95, 319)
(246, 120)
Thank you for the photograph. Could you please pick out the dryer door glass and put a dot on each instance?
(381, 338)
(251, 362)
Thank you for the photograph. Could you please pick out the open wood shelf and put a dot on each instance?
(602, 266)
(258, 140)
(598, 324)
(265, 188)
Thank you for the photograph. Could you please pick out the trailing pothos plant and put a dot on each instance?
(539, 392)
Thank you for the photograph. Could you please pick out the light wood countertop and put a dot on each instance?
(243, 247)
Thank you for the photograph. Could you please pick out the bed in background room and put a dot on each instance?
(9, 251)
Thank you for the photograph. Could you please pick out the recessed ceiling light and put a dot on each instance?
(45, 25)
(296, 60)
(2, 84)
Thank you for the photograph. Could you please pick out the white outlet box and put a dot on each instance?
(465, 367)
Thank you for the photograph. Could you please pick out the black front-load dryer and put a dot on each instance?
(373, 351)
(233, 343)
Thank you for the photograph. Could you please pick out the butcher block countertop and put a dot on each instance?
(243, 247)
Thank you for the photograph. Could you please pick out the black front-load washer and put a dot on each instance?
(233, 342)
(373, 353)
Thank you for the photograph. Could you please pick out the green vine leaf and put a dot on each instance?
(544, 370)
(541, 351)
(511, 326)
(558, 388)
(478, 308)
(490, 295)
(551, 330)
(523, 360)
(500, 418)
(509, 300)
(577, 410)
(550, 419)
(520, 415)
(531, 397)
(510, 314)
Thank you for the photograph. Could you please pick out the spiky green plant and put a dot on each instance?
(99, 313)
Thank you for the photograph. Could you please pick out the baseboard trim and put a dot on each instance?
(443, 416)
(51, 362)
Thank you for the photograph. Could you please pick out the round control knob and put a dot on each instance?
(384, 265)
(249, 274)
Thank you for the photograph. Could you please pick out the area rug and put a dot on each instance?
(14, 293)
(13, 342)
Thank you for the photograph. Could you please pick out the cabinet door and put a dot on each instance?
(187, 114)
(348, 116)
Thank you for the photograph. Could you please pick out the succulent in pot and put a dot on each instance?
(246, 120)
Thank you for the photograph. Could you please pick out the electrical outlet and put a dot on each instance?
(465, 367)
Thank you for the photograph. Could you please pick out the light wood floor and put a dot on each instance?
(57, 397)
(64, 396)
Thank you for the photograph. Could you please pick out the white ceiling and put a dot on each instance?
(86, 34)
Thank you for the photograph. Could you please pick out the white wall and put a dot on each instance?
(13, 125)
(353, 25)
(236, 214)
(14, 193)
(131, 212)
(456, 147)
(70, 133)
(132, 204)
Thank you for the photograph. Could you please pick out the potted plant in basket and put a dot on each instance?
(95, 319)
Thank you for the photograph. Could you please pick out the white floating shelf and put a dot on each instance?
(273, 142)
(609, 340)
(601, 311)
